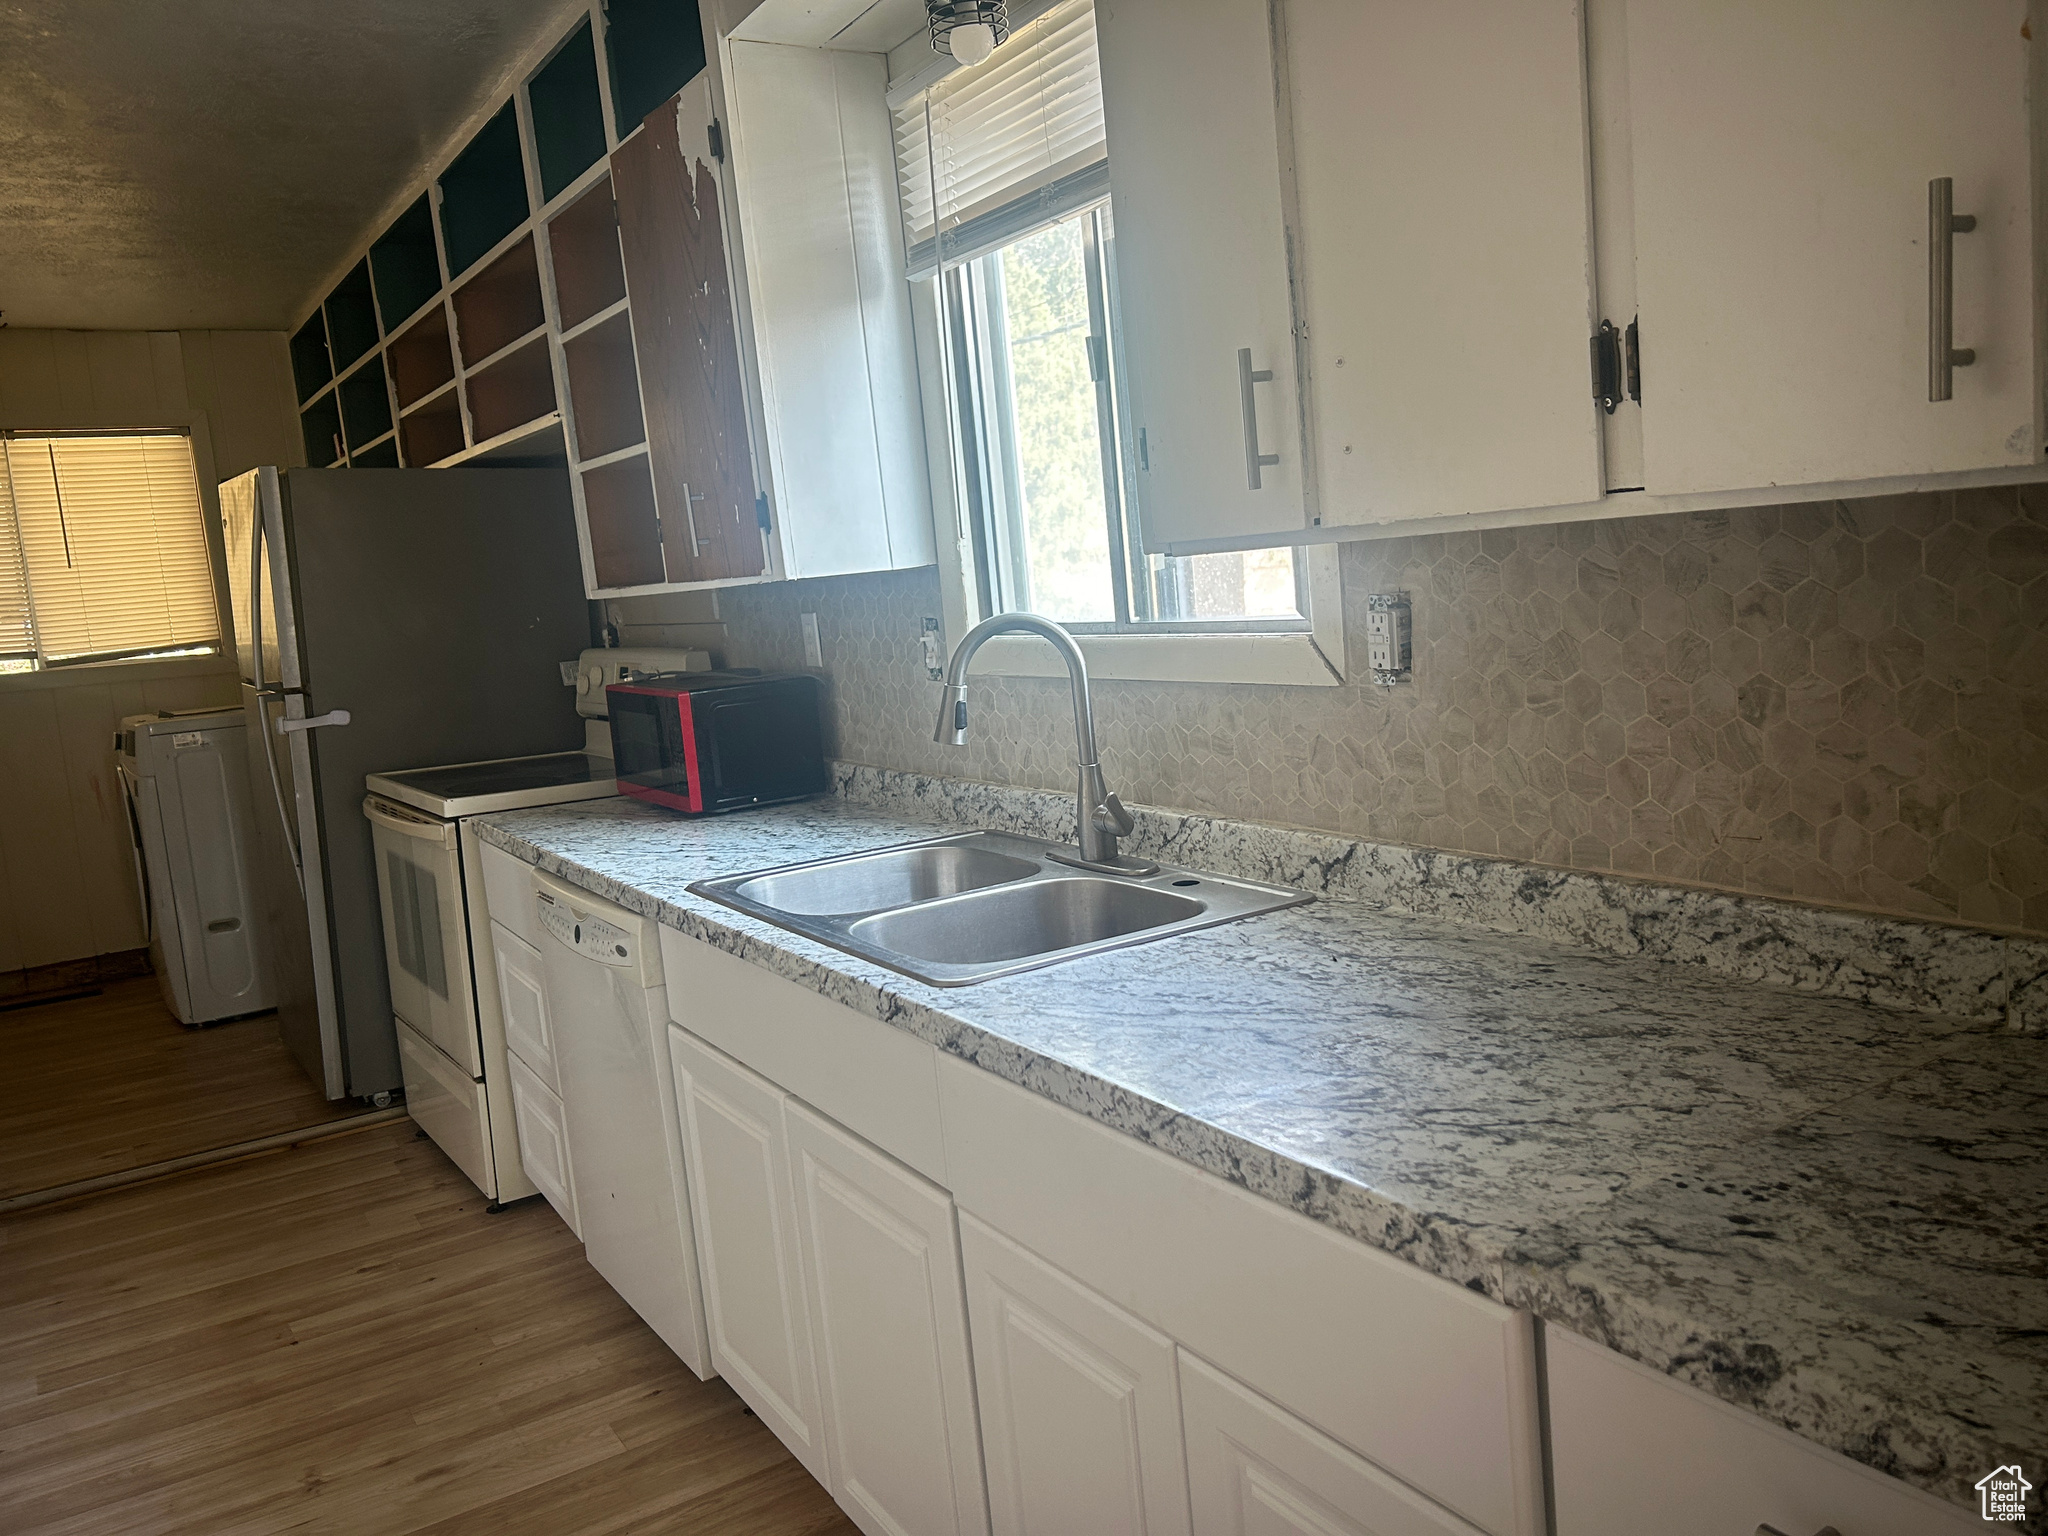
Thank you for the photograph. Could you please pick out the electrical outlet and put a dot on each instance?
(934, 658)
(1389, 637)
(814, 655)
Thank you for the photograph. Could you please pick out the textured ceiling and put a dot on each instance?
(167, 164)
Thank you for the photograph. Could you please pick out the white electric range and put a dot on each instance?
(437, 945)
(438, 948)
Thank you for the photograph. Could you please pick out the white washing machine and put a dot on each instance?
(185, 780)
(609, 1013)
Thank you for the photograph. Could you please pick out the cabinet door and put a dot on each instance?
(814, 173)
(543, 1131)
(523, 1000)
(1195, 149)
(1444, 249)
(1080, 1402)
(1636, 1451)
(1254, 1470)
(1782, 153)
(745, 1212)
(694, 398)
(882, 1275)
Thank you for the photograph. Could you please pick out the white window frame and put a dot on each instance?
(1311, 658)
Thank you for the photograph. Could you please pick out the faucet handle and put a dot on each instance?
(1111, 817)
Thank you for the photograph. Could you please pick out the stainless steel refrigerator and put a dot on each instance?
(384, 619)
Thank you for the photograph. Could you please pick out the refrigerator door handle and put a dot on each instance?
(264, 694)
(332, 717)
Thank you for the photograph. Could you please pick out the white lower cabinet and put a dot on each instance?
(1635, 1451)
(1080, 1402)
(882, 1276)
(1255, 1470)
(744, 1205)
(543, 1130)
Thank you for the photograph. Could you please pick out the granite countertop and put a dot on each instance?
(1829, 1214)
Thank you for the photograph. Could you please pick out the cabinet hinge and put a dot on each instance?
(1607, 385)
(1635, 362)
(716, 134)
(761, 510)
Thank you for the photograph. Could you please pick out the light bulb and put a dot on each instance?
(973, 43)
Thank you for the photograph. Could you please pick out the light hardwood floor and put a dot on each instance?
(338, 1339)
(113, 1082)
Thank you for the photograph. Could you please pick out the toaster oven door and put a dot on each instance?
(761, 745)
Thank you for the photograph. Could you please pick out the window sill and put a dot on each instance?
(103, 672)
(1293, 659)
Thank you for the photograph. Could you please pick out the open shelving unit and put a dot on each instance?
(489, 323)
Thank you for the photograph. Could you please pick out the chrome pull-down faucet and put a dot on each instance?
(1100, 818)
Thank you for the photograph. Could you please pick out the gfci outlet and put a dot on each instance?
(934, 659)
(814, 655)
(1389, 637)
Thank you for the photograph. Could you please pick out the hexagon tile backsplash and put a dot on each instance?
(1840, 702)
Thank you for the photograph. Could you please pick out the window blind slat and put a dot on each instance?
(17, 632)
(981, 148)
(114, 543)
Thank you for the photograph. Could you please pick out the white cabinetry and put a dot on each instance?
(882, 1273)
(1400, 202)
(1255, 1470)
(1201, 239)
(1782, 155)
(1633, 1451)
(744, 1205)
(1080, 1401)
(1444, 247)
(826, 307)
(543, 1130)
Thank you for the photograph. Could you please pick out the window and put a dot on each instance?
(103, 552)
(1004, 177)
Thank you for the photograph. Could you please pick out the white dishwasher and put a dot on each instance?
(610, 1018)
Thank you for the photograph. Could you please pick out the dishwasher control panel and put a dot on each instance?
(590, 936)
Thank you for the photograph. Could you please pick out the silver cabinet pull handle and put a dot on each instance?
(1247, 376)
(332, 717)
(1772, 1530)
(1943, 225)
(690, 516)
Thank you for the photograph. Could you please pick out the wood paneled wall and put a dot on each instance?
(67, 881)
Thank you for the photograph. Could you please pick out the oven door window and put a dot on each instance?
(426, 940)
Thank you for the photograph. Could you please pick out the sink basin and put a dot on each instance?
(875, 882)
(1034, 919)
(977, 905)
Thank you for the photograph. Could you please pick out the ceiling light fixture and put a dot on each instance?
(969, 30)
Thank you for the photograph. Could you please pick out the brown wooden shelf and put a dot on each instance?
(604, 389)
(516, 389)
(421, 361)
(584, 240)
(433, 432)
(499, 305)
(625, 538)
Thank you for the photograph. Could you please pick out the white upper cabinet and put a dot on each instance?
(1202, 268)
(827, 308)
(1444, 250)
(1782, 154)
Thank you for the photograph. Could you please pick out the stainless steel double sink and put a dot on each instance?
(976, 905)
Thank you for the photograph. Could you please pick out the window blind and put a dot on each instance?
(113, 543)
(989, 154)
(17, 631)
